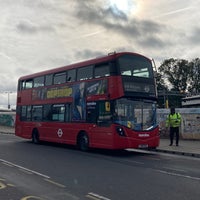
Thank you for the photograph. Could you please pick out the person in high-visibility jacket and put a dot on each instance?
(173, 122)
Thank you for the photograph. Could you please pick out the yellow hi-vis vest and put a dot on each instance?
(173, 120)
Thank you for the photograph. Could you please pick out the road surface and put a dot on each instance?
(51, 171)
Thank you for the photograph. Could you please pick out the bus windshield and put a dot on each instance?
(137, 66)
(135, 114)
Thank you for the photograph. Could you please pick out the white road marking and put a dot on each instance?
(179, 175)
(31, 197)
(95, 196)
(23, 168)
(55, 183)
(174, 169)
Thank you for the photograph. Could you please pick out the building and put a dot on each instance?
(191, 102)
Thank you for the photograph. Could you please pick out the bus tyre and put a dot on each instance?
(35, 137)
(83, 142)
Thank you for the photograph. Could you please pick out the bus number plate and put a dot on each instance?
(143, 146)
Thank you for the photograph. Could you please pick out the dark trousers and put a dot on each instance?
(174, 131)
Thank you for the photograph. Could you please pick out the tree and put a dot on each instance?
(194, 77)
(176, 78)
(160, 82)
(162, 89)
(175, 73)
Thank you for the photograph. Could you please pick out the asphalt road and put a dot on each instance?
(59, 172)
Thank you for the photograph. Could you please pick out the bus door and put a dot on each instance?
(101, 118)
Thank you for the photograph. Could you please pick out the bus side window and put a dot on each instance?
(102, 70)
(71, 75)
(21, 85)
(29, 84)
(68, 112)
(37, 113)
(58, 112)
(47, 113)
(85, 73)
(59, 78)
(49, 79)
(22, 111)
(28, 114)
(38, 81)
(25, 113)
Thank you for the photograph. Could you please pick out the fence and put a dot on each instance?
(190, 126)
(7, 118)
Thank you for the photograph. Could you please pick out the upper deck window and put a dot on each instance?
(84, 73)
(38, 81)
(59, 78)
(48, 79)
(29, 84)
(71, 75)
(102, 70)
(21, 85)
(134, 65)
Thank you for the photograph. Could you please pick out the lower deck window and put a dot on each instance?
(55, 112)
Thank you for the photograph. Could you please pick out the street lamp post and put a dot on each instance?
(8, 103)
(8, 100)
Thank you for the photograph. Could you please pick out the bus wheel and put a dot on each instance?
(35, 137)
(83, 142)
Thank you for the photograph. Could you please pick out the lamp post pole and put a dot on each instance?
(8, 103)
(8, 100)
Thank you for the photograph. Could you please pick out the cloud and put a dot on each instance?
(153, 42)
(96, 12)
(119, 23)
(5, 56)
(88, 53)
(173, 12)
(194, 38)
(28, 27)
(7, 82)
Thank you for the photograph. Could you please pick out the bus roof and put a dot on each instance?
(110, 56)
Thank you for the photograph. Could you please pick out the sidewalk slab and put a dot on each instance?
(7, 129)
(186, 147)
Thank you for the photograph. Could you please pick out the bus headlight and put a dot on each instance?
(120, 131)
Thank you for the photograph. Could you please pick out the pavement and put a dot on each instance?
(7, 129)
(186, 147)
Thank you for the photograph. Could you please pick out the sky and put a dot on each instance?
(36, 35)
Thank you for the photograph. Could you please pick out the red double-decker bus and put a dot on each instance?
(107, 102)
